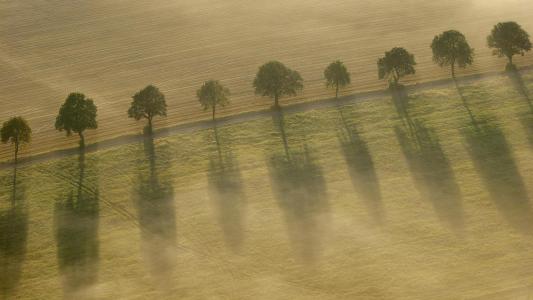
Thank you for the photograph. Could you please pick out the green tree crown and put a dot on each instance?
(450, 48)
(275, 80)
(213, 93)
(77, 114)
(337, 75)
(148, 103)
(16, 130)
(508, 39)
(396, 63)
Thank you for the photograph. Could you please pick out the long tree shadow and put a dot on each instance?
(429, 166)
(13, 237)
(400, 100)
(154, 199)
(226, 188)
(493, 159)
(527, 123)
(300, 189)
(76, 218)
(432, 173)
(520, 86)
(464, 102)
(526, 118)
(361, 167)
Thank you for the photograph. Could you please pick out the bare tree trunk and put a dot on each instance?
(337, 91)
(214, 108)
(276, 101)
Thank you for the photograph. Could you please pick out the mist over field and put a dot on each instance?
(111, 49)
(420, 191)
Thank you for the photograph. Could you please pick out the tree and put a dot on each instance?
(508, 39)
(450, 48)
(211, 94)
(148, 103)
(16, 131)
(77, 114)
(337, 76)
(396, 63)
(275, 80)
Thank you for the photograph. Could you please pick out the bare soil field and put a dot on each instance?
(111, 49)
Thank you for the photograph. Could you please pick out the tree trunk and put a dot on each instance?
(276, 101)
(510, 60)
(214, 108)
(337, 91)
(396, 77)
(82, 140)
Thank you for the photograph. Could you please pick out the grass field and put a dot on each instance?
(353, 202)
(111, 49)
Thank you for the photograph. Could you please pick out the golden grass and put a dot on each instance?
(371, 215)
(111, 49)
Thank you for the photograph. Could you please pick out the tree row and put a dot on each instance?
(275, 80)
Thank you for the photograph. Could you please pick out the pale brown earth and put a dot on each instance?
(111, 49)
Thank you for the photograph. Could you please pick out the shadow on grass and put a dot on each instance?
(430, 168)
(464, 102)
(154, 200)
(432, 173)
(527, 123)
(226, 189)
(520, 86)
(361, 167)
(76, 217)
(300, 189)
(527, 118)
(493, 159)
(13, 237)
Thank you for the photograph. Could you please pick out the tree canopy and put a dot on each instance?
(396, 63)
(211, 94)
(275, 80)
(508, 39)
(77, 114)
(337, 76)
(16, 131)
(148, 103)
(450, 48)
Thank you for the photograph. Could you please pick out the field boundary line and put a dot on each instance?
(250, 116)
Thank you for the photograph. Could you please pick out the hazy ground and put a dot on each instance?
(111, 49)
(347, 203)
